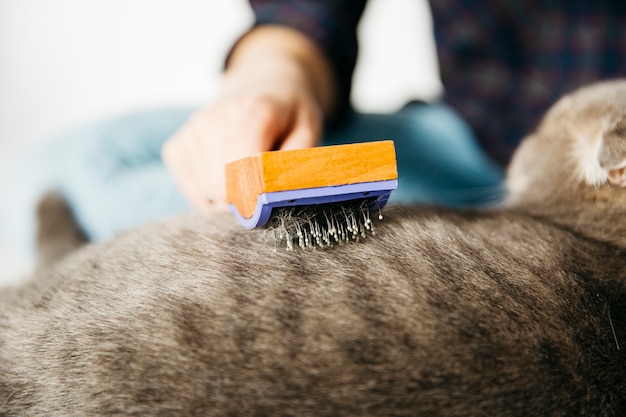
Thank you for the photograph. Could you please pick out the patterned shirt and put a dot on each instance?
(502, 62)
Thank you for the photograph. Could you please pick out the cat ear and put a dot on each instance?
(612, 155)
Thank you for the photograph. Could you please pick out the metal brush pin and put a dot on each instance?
(322, 225)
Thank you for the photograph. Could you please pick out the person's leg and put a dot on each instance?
(111, 174)
(439, 159)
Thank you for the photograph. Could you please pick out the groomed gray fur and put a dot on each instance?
(519, 311)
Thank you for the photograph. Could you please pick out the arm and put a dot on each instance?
(329, 24)
(278, 88)
(273, 52)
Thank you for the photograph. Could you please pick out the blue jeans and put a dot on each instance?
(113, 177)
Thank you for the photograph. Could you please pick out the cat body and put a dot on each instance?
(515, 311)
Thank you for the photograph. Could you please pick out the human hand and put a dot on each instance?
(269, 105)
(271, 115)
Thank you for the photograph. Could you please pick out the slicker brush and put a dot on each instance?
(316, 197)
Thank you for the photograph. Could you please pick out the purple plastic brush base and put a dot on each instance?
(309, 196)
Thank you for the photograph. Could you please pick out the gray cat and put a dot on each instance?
(517, 311)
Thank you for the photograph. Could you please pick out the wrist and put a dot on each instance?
(279, 53)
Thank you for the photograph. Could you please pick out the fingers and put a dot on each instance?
(306, 129)
(183, 163)
(196, 155)
(261, 123)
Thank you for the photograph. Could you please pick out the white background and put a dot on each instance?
(67, 63)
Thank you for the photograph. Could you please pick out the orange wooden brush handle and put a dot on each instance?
(323, 166)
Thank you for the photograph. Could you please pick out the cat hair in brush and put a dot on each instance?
(313, 197)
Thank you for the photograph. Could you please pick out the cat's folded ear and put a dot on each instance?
(612, 155)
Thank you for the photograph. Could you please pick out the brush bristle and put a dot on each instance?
(323, 225)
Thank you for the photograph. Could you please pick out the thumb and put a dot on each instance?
(306, 130)
(262, 124)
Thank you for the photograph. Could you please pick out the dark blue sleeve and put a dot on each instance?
(330, 24)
